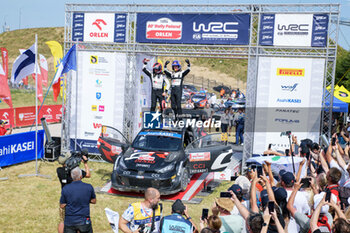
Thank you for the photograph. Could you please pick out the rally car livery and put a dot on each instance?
(162, 158)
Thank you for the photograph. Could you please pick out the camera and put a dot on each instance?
(287, 133)
(74, 160)
(142, 228)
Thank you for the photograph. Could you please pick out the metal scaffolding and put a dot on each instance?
(251, 52)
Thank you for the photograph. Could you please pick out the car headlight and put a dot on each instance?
(166, 168)
(122, 164)
(172, 156)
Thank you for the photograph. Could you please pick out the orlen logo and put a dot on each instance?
(98, 22)
(290, 72)
(5, 115)
(97, 125)
(215, 27)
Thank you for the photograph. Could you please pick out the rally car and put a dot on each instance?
(199, 100)
(162, 158)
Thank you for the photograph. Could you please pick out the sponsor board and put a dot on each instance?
(99, 27)
(290, 72)
(193, 28)
(294, 30)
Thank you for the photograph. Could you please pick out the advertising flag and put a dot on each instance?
(24, 65)
(69, 62)
(44, 69)
(57, 53)
(5, 61)
(5, 93)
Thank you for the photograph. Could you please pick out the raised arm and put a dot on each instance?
(166, 71)
(185, 72)
(316, 214)
(241, 208)
(299, 170)
(253, 201)
(144, 68)
(290, 204)
(323, 162)
(269, 190)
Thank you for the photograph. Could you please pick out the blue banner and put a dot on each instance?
(319, 30)
(267, 28)
(90, 145)
(193, 28)
(19, 148)
(78, 27)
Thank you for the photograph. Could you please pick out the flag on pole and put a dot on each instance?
(5, 93)
(39, 83)
(69, 62)
(24, 65)
(5, 61)
(56, 50)
(44, 70)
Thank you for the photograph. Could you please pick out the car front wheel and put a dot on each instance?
(184, 179)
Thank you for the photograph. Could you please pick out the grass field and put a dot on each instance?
(30, 204)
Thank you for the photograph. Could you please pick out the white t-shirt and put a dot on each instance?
(301, 205)
(128, 215)
(235, 209)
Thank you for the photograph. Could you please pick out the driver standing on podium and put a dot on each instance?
(157, 79)
(177, 77)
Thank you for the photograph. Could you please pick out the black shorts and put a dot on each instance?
(87, 228)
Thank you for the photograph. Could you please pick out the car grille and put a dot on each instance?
(134, 182)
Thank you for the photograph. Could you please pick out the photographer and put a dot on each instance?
(63, 174)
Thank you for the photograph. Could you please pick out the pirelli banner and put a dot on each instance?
(303, 30)
(289, 98)
(193, 28)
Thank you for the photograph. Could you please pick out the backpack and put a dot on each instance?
(322, 224)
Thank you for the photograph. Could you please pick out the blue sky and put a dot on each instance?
(50, 13)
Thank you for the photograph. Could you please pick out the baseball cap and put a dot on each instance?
(282, 172)
(244, 183)
(178, 206)
(2, 122)
(236, 189)
(280, 194)
(225, 203)
(288, 178)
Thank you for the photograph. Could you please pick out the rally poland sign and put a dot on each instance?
(99, 27)
(164, 28)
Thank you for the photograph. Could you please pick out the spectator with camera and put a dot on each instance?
(176, 222)
(63, 173)
(143, 217)
(76, 198)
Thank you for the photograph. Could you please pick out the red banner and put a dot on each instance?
(52, 113)
(7, 115)
(5, 60)
(25, 116)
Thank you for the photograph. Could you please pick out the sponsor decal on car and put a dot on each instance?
(116, 149)
(200, 156)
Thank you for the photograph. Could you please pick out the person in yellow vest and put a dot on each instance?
(143, 217)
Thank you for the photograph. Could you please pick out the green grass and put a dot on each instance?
(22, 98)
(30, 204)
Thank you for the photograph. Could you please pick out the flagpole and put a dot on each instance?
(36, 114)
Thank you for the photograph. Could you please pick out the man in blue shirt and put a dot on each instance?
(76, 198)
(176, 223)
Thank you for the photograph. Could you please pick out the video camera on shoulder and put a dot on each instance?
(74, 160)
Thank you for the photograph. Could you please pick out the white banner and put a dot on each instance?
(289, 98)
(144, 90)
(99, 27)
(98, 93)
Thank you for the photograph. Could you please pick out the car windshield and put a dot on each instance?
(158, 141)
(199, 96)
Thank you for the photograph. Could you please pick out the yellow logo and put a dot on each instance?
(290, 72)
(93, 59)
(94, 107)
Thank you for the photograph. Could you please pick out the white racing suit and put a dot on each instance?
(176, 88)
(157, 81)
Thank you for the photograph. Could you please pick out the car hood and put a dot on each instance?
(145, 160)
